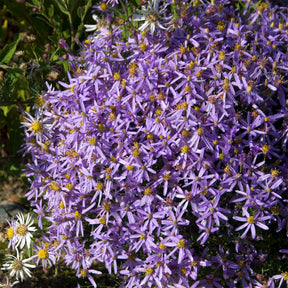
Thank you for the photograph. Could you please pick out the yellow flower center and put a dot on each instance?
(17, 265)
(251, 220)
(77, 215)
(162, 246)
(37, 127)
(149, 271)
(43, 254)
(185, 149)
(181, 243)
(10, 232)
(83, 273)
(99, 186)
(285, 276)
(22, 230)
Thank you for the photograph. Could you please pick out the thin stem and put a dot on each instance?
(80, 28)
(71, 25)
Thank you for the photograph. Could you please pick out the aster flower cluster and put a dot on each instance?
(165, 156)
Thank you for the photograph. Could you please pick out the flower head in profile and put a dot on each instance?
(153, 16)
(18, 266)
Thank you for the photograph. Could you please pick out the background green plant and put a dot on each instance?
(30, 55)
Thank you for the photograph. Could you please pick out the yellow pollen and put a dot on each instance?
(22, 230)
(185, 149)
(148, 191)
(103, 6)
(181, 243)
(142, 236)
(10, 232)
(102, 220)
(285, 276)
(150, 136)
(83, 273)
(226, 87)
(130, 167)
(43, 254)
(149, 271)
(107, 206)
(69, 186)
(77, 215)
(136, 153)
(251, 220)
(142, 46)
(200, 131)
(117, 77)
(158, 112)
(265, 149)
(61, 205)
(92, 141)
(112, 116)
(37, 127)
(274, 173)
(54, 186)
(99, 186)
(194, 263)
(162, 246)
(222, 56)
(228, 171)
(166, 177)
(183, 270)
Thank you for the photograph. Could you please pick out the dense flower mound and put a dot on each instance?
(165, 156)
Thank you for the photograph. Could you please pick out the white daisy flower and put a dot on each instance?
(11, 233)
(37, 126)
(18, 267)
(23, 230)
(152, 16)
(91, 27)
(8, 283)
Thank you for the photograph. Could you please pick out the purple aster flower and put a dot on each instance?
(251, 221)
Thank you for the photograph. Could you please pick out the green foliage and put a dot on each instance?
(29, 56)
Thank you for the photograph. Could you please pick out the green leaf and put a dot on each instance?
(51, 11)
(37, 3)
(5, 110)
(9, 49)
(61, 6)
(80, 12)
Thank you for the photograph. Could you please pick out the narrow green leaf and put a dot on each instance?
(61, 7)
(9, 49)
